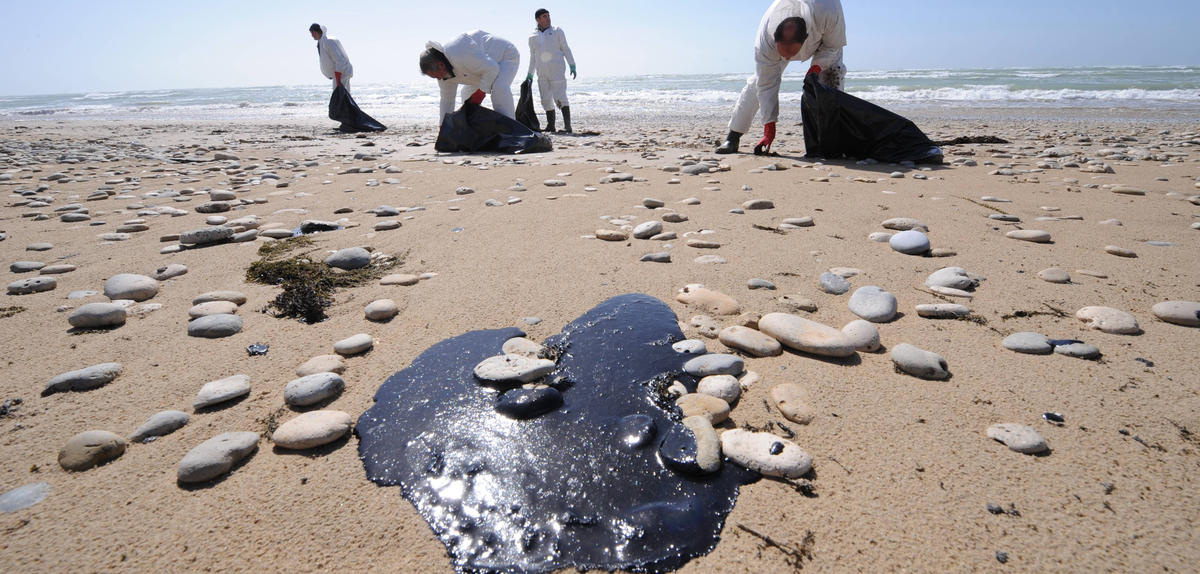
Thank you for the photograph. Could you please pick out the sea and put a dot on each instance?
(1144, 92)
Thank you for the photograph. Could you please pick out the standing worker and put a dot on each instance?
(791, 30)
(482, 63)
(547, 48)
(335, 64)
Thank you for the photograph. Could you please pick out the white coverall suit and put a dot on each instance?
(826, 36)
(334, 59)
(547, 48)
(480, 61)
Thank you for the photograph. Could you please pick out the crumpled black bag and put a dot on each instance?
(525, 112)
(474, 128)
(343, 109)
(837, 124)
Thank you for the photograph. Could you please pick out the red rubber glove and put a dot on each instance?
(338, 76)
(768, 137)
(476, 98)
(815, 69)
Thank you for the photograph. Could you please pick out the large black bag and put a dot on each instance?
(343, 109)
(837, 124)
(474, 128)
(525, 112)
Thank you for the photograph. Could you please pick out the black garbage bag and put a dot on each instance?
(525, 112)
(474, 128)
(343, 109)
(837, 124)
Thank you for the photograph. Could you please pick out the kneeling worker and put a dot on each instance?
(482, 63)
(791, 30)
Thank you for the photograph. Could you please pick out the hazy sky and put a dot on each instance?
(67, 46)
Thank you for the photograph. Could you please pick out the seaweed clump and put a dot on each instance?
(6, 312)
(308, 285)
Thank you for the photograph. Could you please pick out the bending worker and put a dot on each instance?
(791, 30)
(480, 62)
(547, 48)
(335, 64)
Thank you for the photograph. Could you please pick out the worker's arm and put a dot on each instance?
(566, 49)
(448, 91)
(769, 75)
(532, 56)
(341, 62)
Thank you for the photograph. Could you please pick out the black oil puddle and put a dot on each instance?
(581, 486)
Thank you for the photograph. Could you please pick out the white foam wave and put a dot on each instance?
(982, 93)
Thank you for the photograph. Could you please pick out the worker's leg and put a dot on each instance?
(546, 92)
(746, 107)
(502, 97)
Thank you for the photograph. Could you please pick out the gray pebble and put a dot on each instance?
(83, 379)
(130, 286)
(97, 316)
(660, 257)
(215, 456)
(215, 326)
(221, 390)
(1029, 343)
(911, 242)
(349, 259)
(760, 284)
(647, 229)
(943, 311)
(756, 204)
(1079, 351)
(863, 335)
(23, 497)
(25, 266)
(833, 284)
(919, 363)
(714, 364)
(32, 285)
(160, 424)
(170, 271)
(873, 304)
(206, 236)
(1020, 438)
(952, 277)
(313, 389)
(354, 345)
(690, 347)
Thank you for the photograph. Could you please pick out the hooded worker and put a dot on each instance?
(547, 49)
(481, 63)
(335, 64)
(791, 30)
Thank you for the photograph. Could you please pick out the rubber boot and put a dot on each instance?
(567, 118)
(731, 143)
(549, 121)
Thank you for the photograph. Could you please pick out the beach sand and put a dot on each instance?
(903, 467)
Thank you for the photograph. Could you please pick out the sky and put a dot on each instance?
(77, 46)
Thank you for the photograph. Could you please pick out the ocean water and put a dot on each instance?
(1073, 91)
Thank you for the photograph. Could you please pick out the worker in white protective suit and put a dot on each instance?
(335, 64)
(791, 30)
(547, 49)
(481, 63)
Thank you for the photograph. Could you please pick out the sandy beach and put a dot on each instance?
(903, 472)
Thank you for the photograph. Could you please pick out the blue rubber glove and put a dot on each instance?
(572, 71)
(529, 78)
